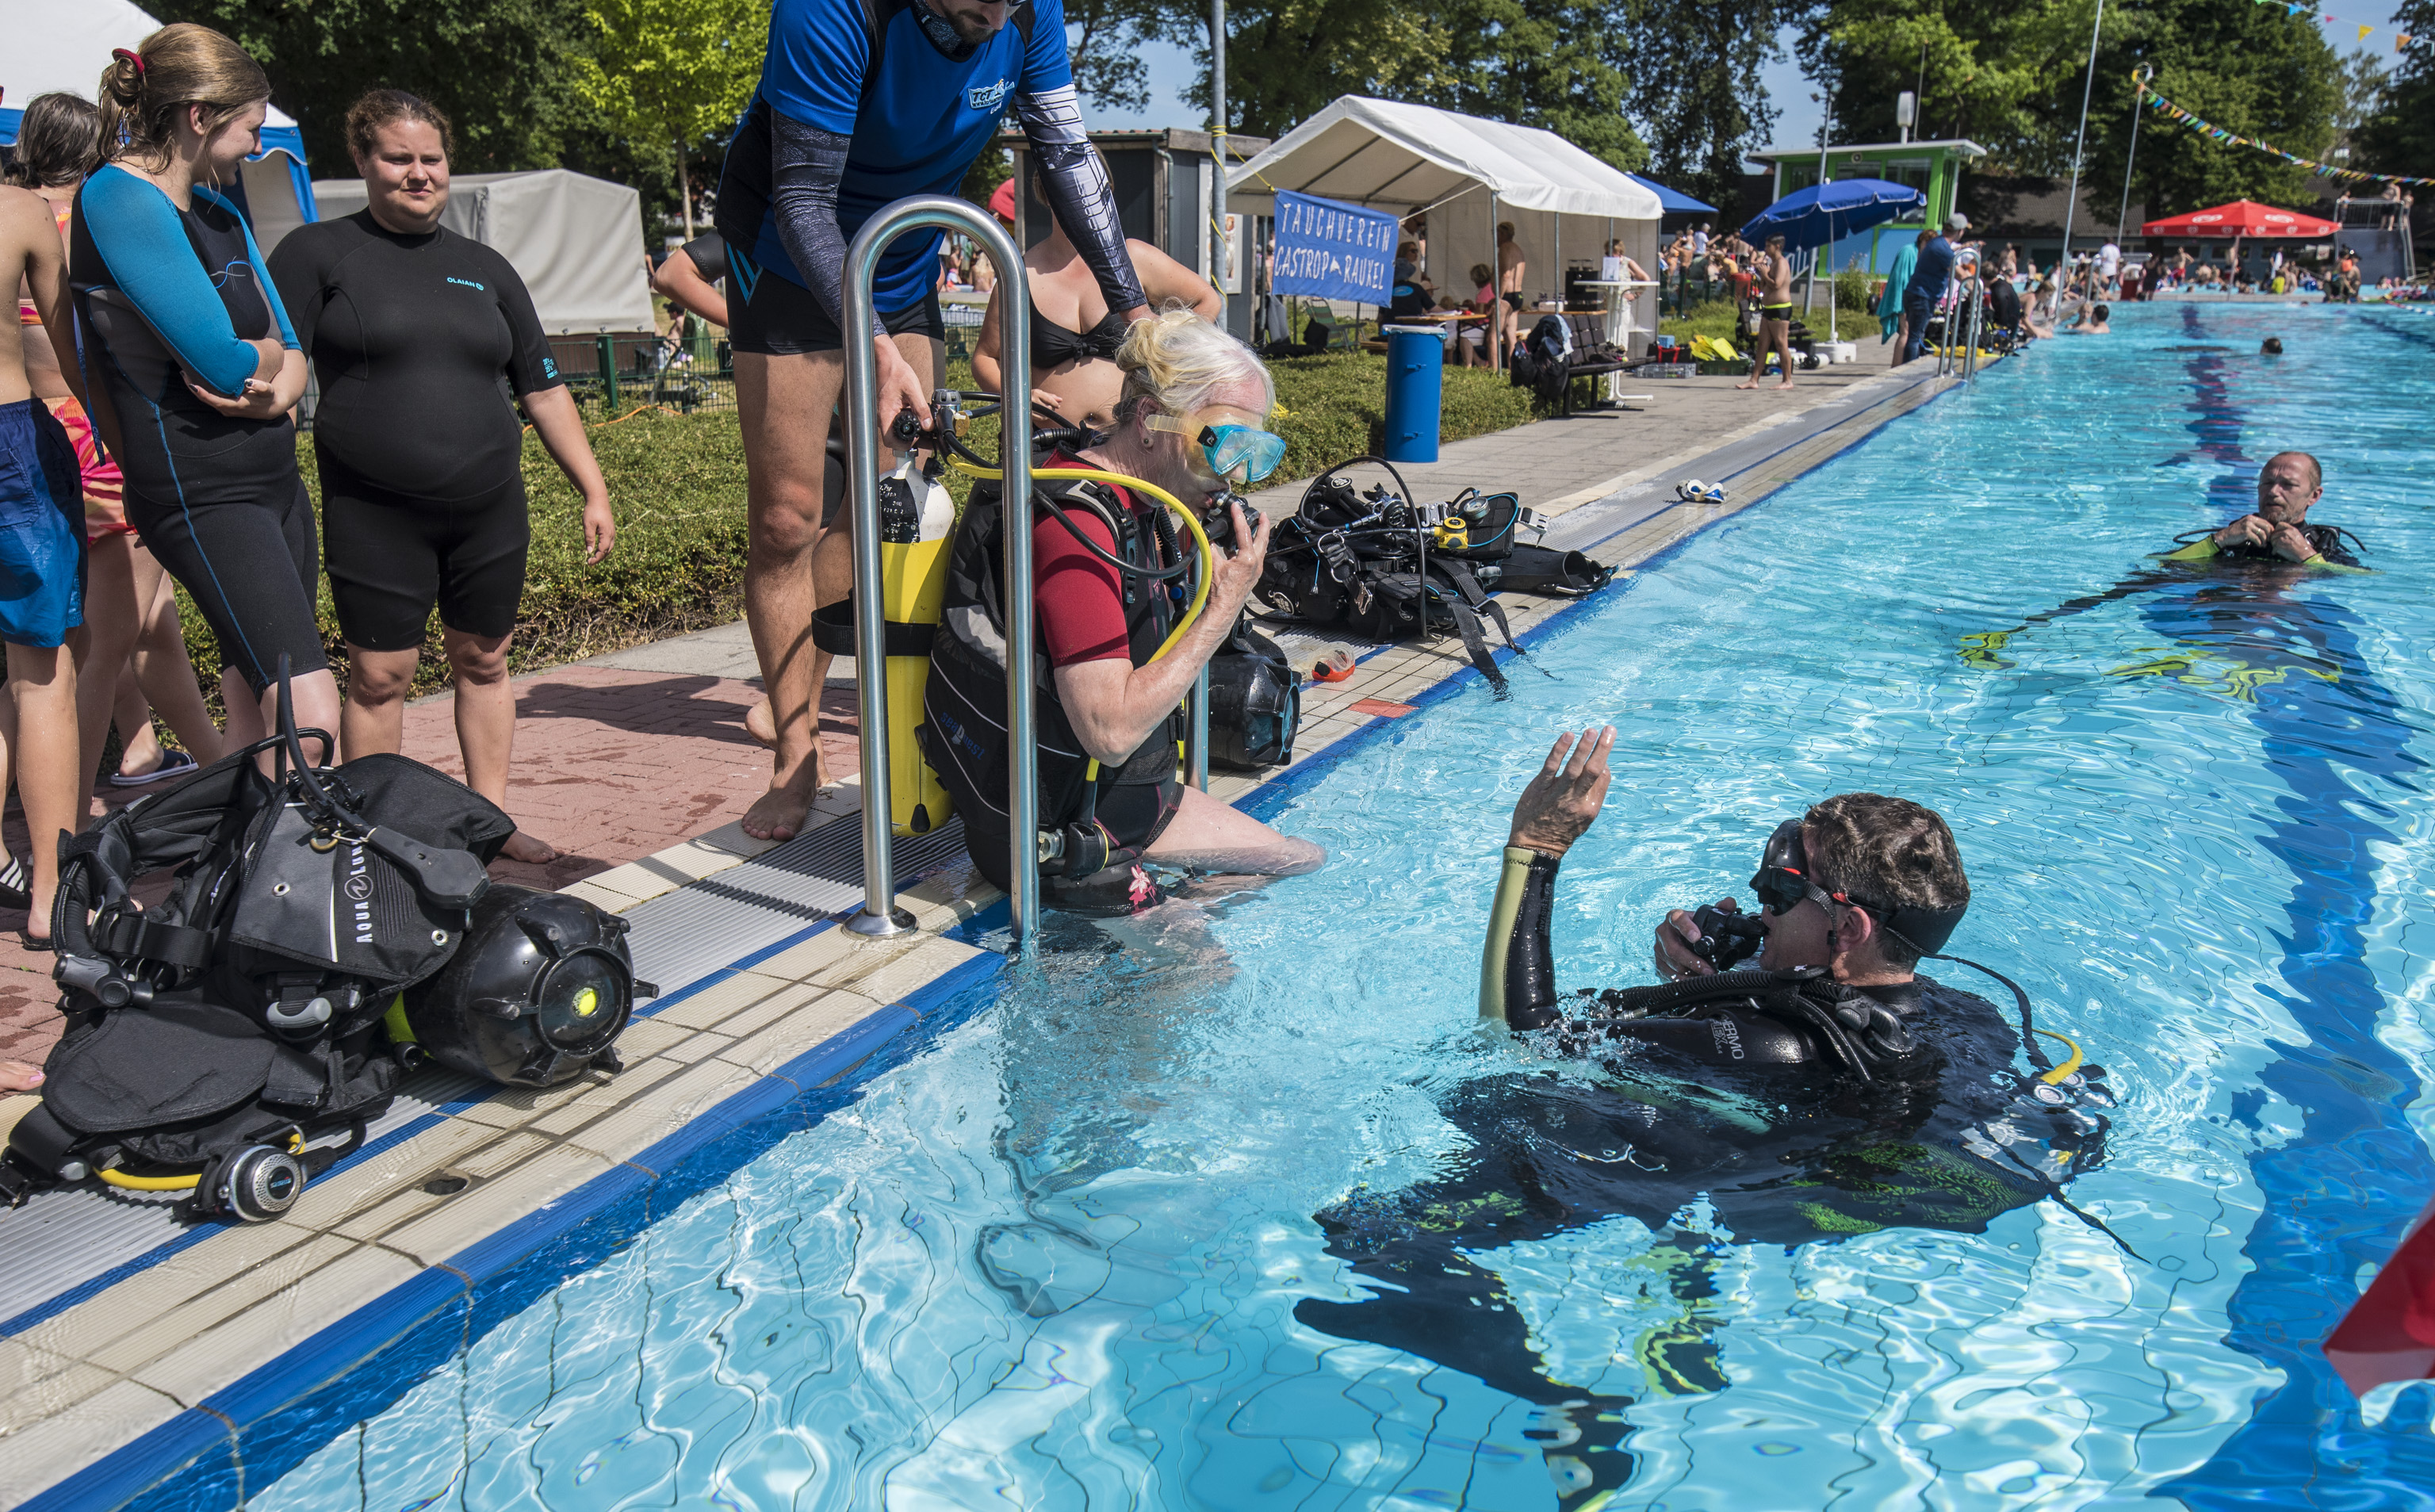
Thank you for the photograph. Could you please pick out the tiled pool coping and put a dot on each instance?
(220, 1362)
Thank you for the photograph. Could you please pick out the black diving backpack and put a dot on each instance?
(1387, 569)
(263, 1003)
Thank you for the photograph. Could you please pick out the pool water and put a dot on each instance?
(1054, 1261)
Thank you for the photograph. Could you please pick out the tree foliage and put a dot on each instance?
(2399, 135)
(2010, 79)
(1694, 67)
(667, 75)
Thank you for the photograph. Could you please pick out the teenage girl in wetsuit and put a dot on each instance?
(192, 365)
(419, 334)
(1074, 333)
(135, 657)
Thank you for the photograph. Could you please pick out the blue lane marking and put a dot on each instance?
(2344, 1192)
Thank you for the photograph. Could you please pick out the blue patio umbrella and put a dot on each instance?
(1825, 213)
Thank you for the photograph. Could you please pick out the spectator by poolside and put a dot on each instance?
(135, 660)
(199, 368)
(419, 337)
(1510, 265)
(42, 587)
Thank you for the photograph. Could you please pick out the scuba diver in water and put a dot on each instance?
(2279, 529)
(1829, 1092)
(1105, 564)
(2271, 549)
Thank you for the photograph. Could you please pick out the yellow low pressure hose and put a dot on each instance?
(2056, 1075)
(1200, 537)
(174, 1183)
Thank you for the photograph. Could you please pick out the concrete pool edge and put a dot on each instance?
(362, 1322)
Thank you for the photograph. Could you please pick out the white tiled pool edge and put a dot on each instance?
(168, 1374)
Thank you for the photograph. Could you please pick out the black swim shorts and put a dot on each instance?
(783, 319)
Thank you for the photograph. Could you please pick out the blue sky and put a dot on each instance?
(1170, 73)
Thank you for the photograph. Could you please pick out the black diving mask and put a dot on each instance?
(1783, 881)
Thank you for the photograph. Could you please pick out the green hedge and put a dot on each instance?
(678, 486)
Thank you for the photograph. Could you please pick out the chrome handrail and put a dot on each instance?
(879, 914)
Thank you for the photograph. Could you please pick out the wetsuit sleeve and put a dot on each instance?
(530, 367)
(1517, 967)
(135, 230)
(807, 165)
(1081, 599)
(2202, 549)
(1078, 193)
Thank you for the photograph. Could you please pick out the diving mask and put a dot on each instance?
(1784, 880)
(1228, 448)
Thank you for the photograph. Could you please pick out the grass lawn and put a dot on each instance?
(678, 484)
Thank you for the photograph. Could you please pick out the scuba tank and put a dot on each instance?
(917, 522)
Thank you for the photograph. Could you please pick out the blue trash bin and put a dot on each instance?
(1415, 386)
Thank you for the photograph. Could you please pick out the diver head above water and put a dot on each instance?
(2287, 486)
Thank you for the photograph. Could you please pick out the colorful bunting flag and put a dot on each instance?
(2216, 133)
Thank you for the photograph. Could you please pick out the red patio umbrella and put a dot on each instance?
(2242, 217)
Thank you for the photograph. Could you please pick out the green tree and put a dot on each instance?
(1694, 67)
(2399, 135)
(666, 75)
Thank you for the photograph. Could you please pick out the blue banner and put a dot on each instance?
(1330, 250)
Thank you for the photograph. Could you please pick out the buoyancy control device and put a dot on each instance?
(1388, 568)
(325, 929)
(917, 526)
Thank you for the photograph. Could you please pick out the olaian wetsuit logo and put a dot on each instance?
(463, 283)
(989, 96)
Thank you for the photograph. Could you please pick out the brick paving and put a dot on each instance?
(612, 765)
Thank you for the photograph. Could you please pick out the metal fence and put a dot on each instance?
(610, 372)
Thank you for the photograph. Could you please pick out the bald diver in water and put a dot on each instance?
(1830, 1091)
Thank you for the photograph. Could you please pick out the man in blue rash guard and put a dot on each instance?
(863, 102)
(1929, 278)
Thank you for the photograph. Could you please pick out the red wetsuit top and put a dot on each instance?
(1081, 599)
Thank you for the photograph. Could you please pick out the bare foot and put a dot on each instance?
(1753, 384)
(529, 848)
(760, 724)
(1787, 383)
(777, 815)
(16, 1076)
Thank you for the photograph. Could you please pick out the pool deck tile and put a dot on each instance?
(115, 1369)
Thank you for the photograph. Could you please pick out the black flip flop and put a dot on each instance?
(33, 946)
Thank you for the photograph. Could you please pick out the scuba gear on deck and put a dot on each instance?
(1387, 569)
(537, 994)
(1254, 702)
(917, 517)
(222, 1031)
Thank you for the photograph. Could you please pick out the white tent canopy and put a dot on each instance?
(576, 241)
(48, 47)
(1467, 173)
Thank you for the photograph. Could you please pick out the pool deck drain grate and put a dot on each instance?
(136, 1352)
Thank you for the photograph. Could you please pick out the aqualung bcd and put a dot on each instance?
(216, 1038)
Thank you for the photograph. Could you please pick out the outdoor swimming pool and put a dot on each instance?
(1054, 1261)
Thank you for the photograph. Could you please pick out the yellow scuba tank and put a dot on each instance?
(917, 524)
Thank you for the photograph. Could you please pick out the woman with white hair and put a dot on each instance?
(1190, 420)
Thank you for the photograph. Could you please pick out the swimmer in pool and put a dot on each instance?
(2278, 529)
(1834, 1091)
(2091, 322)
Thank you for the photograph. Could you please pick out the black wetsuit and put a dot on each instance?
(418, 342)
(709, 254)
(1744, 1103)
(2327, 540)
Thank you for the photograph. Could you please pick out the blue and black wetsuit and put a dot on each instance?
(418, 342)
(863, 102)
(161, 293)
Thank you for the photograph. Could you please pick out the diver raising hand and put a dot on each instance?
(1563, 801)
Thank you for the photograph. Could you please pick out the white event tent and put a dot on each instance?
(46, 45)
(576, 241)
(1467, 174)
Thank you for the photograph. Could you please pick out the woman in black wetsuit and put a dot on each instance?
(1074, 334)
(419, 337)
(193, 367)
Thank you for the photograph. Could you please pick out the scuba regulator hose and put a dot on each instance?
(966, 461)
(174, 1183)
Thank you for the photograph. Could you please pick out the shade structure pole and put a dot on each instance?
(1218, 138)
(1495, 286)
(2063, 274)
